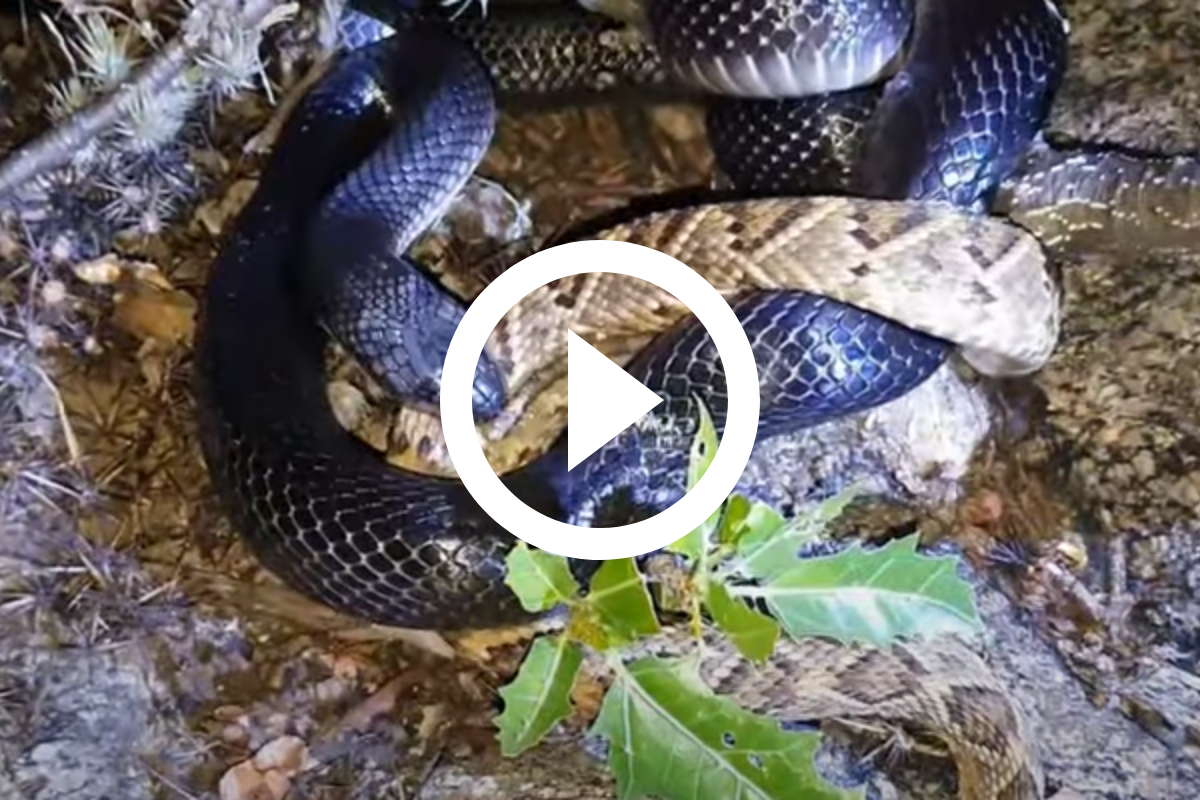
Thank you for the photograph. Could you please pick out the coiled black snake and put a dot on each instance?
(316, 239)
(848, 303)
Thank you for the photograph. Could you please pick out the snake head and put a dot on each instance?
(426, 343)
(419, 383)
(487, 393)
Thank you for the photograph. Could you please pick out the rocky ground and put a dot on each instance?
(145, 656)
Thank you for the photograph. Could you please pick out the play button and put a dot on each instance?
(602, 400)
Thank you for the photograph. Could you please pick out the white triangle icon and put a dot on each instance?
(602, 400)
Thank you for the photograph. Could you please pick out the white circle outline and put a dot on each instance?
(458, 421)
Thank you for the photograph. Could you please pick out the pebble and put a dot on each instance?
(277, 725)
(288, 754)
(268, 775)
(54, 292)
(235, 734)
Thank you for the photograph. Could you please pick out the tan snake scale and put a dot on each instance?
(937, 689)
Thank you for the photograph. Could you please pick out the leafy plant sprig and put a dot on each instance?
(668, 734)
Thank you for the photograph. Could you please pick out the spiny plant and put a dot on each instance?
(101, 49)
(136, 174)
(667, 734)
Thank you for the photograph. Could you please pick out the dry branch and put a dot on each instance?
(201, 30)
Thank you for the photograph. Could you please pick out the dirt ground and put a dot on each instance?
(145, 655)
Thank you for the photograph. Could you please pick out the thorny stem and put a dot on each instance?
(200, 30)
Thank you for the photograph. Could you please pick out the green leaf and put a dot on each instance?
(539, 579)
(871, 596)
(672, 738)
(766, 550)
(753, 634)
(540, 696)
(744, 517)
(622, 602)
(704, 449)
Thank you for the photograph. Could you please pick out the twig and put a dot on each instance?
(54, 148)
(262, 141)
(73, 447)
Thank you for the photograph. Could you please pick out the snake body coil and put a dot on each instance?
(848, 302)
(324, 511)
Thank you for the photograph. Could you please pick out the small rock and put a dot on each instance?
(1067, 794)
(234, 734)
(10, 246)
(277, 725)
(102, 271)
(62, 250)
(346, 667)
(1171, 321)
(54, 292)
(1185, 492)
(330, 690)
(432, 717)
(42, 337)
(268, 775)
(287, 754)
(228, 713)
(244, 782)
(277, 783)
(1143, 464)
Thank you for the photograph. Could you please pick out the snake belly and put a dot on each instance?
(373, 153)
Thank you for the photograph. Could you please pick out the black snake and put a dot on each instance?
(373, 154)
